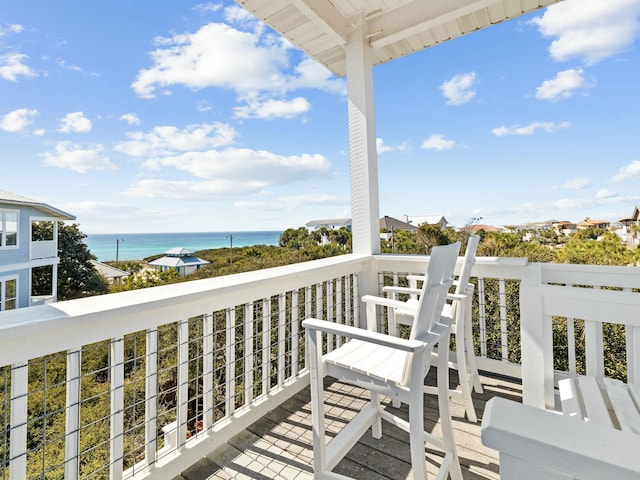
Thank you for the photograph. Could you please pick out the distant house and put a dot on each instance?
(428, 219)
(589, 223)
(633, 236)
(28, 241)
(388, 225)
(179, 259)
(114, 275)
(329, 224)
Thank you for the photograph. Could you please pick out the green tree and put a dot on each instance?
(294, 238)
(76, 275)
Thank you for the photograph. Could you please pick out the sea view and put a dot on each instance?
(137, 246)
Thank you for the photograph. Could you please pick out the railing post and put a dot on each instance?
(19, 411)
(536, 338)
(72, 428)
(208, 401)
(182, 385)
(116, 455)
(151, 397)
(266, 346)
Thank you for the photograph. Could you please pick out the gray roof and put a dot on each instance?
(108, 271)
(390, 223)
(178, 261)
(178, 252)
(8, 198)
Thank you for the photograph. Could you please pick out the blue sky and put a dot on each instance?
(171, 116)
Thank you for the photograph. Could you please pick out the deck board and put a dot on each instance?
(279, 447)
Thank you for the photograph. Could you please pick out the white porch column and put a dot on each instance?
(362, 143)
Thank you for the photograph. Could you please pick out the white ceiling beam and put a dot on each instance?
(324, 14)
(418, 16)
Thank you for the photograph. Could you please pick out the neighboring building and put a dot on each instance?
(589, 223)
(330, 224)
(114, 275)
(388, 225)
(428, 219)
(28, 240)
(179, 259)
(481, 228)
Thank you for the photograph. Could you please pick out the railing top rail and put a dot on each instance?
(572, 274)
(490, 267)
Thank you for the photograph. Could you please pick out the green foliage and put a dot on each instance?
(608, 249)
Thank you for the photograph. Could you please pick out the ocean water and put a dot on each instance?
(136, 246)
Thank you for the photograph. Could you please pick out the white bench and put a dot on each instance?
(572, 426)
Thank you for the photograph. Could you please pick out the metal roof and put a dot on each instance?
(8, 198)
(394, 28)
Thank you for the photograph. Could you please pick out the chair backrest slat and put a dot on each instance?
(435, 287)
(468, 262)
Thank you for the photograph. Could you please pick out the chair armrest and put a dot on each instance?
(535, 443)
(383, 301)
(314, 324)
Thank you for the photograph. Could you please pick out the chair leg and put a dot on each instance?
(463, 373)
(376, 426)
(317, 404)
(470, 351)
(443, 405)
(416, 429)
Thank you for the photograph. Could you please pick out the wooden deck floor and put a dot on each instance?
(279, 445)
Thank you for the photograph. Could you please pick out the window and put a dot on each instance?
(8, 294)
(8, 228)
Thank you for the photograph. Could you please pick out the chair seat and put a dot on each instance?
(376, 361)
(606, 401)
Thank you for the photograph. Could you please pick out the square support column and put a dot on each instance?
(362, 143)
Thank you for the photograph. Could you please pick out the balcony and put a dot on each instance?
(146, 383)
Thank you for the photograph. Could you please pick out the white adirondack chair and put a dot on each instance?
(458, 307)
(389, 366)
(572, 426)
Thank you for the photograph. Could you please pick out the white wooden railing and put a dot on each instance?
(144, 383)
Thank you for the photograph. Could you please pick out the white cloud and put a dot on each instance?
(438, 142)
(13, 28)
(76, 158)
(75, 122)
(530, 129)
(12, 65)
(17, 120)
(130, 118)
(381, 147)
(229, 173)
(591, 30)
(271, 109)
(168, 140)
(208, 7)
(253, 64)
(627, 172)
(459, 89)
(563, 86)
(577, 183)
(605, 193)
(217, 55)
(245, 166)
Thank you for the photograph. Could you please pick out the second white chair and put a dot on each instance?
(457, 307)
(389, 366)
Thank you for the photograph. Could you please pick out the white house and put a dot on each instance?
(28, 240)
(180, 259)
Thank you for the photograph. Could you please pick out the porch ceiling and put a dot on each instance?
(395, 27)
